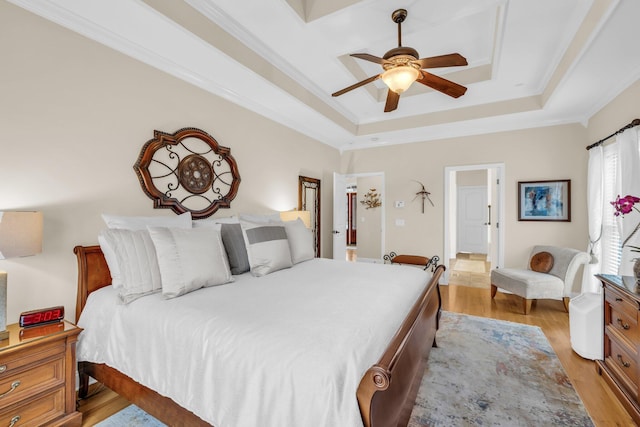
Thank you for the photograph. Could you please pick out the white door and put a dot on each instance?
(473, 211)
(339, 216)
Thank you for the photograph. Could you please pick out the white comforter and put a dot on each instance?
(286, 349)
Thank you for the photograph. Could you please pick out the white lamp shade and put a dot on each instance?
(20, 234)
(305, 216)
(400, 78)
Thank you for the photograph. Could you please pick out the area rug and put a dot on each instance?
(131, 416)
(484, 372)
(488, 372)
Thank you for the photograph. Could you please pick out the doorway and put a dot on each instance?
(474, 231)
(358, 227)
(352, 217)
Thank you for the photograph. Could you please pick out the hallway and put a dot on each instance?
(469, 269)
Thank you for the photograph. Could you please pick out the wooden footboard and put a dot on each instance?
(386, 392)
(388, 389)
(153, 403)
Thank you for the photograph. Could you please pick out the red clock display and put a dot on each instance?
(41, 316)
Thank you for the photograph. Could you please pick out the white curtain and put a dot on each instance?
(629, 179)
(595, 204)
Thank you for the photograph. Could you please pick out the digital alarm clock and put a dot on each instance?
(41, 316)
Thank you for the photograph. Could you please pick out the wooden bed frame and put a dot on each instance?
(386, 393)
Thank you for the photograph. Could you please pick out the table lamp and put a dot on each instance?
(305, 216)
(20, 235)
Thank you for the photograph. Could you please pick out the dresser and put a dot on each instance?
(37, 376)
(621, 365)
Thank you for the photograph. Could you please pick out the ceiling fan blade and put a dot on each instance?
(392, 101)
(370, 58)
(357, 85)
(451, 60)
(443, 85)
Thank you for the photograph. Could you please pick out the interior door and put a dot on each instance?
(352, 219)
(339, 216)
(473, 220)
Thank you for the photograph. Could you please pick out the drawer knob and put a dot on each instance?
(14, 420)
(14, 385)
(625, 364)
(619, 299)
(3, 368)
(624, 325)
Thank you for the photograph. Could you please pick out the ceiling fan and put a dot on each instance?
(402, 67)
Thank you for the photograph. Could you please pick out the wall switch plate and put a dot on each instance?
(400, 222)
(399, 204)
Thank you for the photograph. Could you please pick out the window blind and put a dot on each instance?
(611, 241)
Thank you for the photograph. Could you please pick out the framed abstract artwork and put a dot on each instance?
(544, 200)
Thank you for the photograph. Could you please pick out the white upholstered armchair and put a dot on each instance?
(556, 270)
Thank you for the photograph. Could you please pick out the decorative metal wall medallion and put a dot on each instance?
(195, 174)
(187, 171)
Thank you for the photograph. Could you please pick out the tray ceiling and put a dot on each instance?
(531, 63)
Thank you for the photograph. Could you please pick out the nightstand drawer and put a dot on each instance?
(621, 303)
(627, 326)
(623, 365)
(20, 357)
(19, 384)
(36, 412)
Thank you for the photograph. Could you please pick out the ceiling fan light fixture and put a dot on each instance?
(399, 79)
(402, 66)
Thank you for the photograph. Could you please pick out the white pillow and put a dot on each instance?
(136, 256)
(190, 259)
(210, 222)
(300, 241)
(142, 222)
(264, 218)
(267, 247)
(135, 223)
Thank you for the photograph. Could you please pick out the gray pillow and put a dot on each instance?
(267, 247)
(236, 249)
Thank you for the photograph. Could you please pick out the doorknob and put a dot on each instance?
(335, 232)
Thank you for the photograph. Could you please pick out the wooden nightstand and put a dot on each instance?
(622, 340)
(37, 376)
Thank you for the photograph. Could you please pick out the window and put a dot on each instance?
(611, 253)
(612, 187)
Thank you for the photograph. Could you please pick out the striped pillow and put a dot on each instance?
(136, 257)
(267, 247)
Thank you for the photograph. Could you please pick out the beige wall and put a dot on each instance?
(535, 154)
(369, 236)
(74, 115)
(619, 112)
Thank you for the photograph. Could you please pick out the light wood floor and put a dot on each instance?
(600, 402)
(469, 269)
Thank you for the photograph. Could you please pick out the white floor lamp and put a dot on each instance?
(20, 235)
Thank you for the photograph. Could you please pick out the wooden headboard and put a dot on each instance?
(93, 273)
